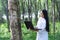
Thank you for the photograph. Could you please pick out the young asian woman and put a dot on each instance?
(42, 26)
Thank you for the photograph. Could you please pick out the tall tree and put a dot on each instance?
(29, 9)
(46, 4)
(36, 10)
(58, 7)
(23, 8)
(15, 25)
(53, 9)
(5, 10)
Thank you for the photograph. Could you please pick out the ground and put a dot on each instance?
(28, 34)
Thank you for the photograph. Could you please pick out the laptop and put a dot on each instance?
(29, 24)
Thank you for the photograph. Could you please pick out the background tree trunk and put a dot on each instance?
(58, 8)
(15, 25)
(36, 12)
(53, 9)
(5, 10)
(29, 10)
(23, 8)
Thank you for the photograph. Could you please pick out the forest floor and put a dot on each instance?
(29, 34)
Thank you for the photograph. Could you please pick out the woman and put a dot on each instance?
(42, 27)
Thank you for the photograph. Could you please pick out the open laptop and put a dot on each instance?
(29, 24)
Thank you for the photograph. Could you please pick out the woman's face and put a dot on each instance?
(41, 14)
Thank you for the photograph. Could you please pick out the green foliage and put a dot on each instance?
(29, 34)
(4, 34)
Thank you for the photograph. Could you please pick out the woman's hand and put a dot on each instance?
(35, 29)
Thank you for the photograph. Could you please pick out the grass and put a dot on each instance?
(4, 34)
(29, 34)
(4, 38)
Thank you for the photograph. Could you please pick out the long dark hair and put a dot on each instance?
(46, 18)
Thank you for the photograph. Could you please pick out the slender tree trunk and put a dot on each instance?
(58, 8)
(13, 7)
(23, 8)
(7, 15)
(53, 9)
(40, 5)
(46, 4)
(29, 10)
(5, 9)
(36, 12)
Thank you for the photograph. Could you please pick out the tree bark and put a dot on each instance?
(23, 8)
(15, 25)
(53, 9)
(5, 10)
(36, 12)
(58, 8)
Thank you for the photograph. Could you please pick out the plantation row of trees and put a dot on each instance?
(17, 11)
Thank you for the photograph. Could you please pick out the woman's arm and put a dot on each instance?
(35, 29)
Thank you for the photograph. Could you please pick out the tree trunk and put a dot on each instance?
(23, 8)
(36, 12)
(58, 8)
(40, 5)
(46, 5)
(53, 9)
(29, 10)
(5, 10)
(15, 25)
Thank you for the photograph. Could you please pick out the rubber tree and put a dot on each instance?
(58, 7)
(15, 20)
(53, 9)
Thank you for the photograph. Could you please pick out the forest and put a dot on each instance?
(13, 13)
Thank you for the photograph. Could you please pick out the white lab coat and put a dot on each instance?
(41, 34)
